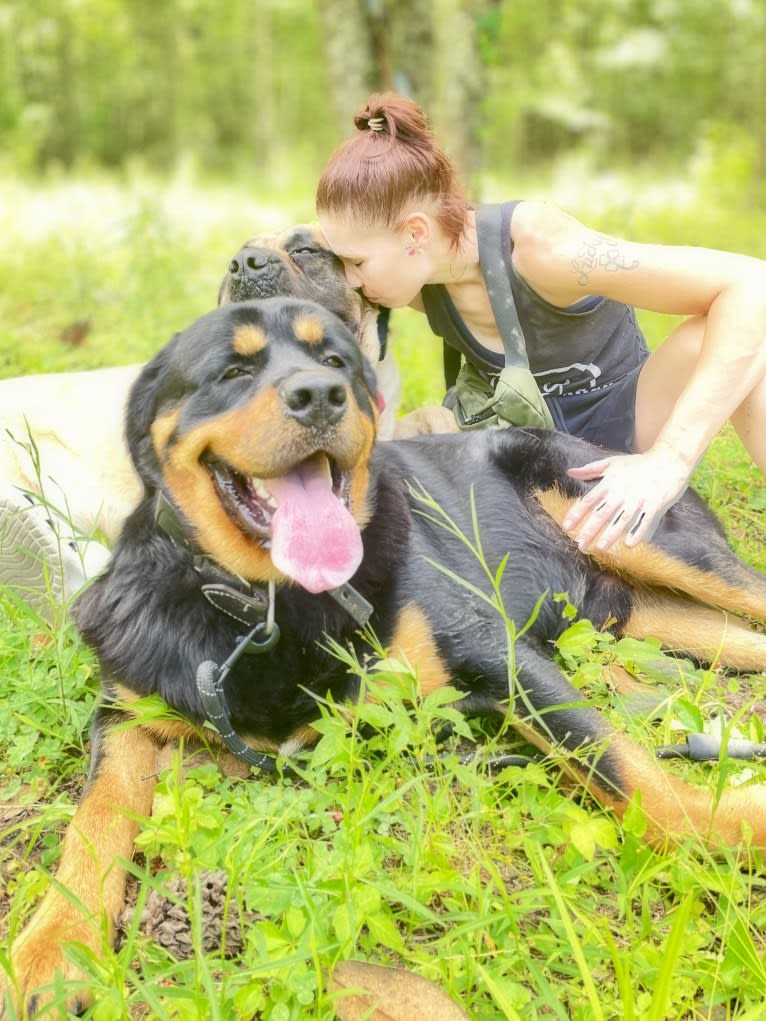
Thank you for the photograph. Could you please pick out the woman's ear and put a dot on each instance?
(417, 229)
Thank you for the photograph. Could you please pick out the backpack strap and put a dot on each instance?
(493, 227)
(451, 361)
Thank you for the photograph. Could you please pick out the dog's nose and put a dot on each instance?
(249, 262)
(314, 398)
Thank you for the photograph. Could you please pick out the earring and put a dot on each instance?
(411, 248)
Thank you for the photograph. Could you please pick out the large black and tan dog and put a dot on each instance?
(254, 433)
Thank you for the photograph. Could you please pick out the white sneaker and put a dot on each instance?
(42, 561)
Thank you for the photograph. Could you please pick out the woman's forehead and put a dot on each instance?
(346, 238)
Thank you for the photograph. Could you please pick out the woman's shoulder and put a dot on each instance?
(545, 239)
(541, 222)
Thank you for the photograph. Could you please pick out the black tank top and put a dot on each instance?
(571, 350)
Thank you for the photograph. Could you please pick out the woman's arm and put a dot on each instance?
(564, 261)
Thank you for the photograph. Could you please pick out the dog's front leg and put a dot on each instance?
(90, 881)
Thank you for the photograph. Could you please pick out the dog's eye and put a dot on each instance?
(235, 372)
(307, 250)
(333, 362)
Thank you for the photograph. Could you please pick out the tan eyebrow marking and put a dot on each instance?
(309, 330)
(249, 340)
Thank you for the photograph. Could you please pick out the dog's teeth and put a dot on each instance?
(262, 492)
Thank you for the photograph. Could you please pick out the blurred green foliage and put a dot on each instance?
(113, 82)
(631, 79)
(260, 85)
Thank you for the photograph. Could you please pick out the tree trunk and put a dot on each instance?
(64, 133)
(759, 122)
(351, 69)
(458, 79)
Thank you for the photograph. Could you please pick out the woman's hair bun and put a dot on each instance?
(386, 113)
(396, 116)
(372, 118)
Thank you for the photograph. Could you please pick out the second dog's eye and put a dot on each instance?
(235, 372)
(307, 250)
(333, 362)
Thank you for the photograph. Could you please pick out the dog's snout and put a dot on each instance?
(314, 399)
(249, 262)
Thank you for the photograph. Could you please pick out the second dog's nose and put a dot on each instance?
(250, 261)
(314, 398)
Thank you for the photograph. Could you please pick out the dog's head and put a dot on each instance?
(257, 423)
(297, 263)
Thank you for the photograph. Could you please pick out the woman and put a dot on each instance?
(391, 207)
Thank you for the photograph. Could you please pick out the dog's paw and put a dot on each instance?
(431, 418)
(374, 992)
(42, 979)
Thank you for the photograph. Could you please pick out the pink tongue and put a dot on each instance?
(314, 539)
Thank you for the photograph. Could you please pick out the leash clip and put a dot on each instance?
(260, 639)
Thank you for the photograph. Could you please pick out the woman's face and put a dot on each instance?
(382, 263)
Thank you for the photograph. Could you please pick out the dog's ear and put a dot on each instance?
(152, 389)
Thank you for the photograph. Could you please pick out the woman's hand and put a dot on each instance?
(627, 503)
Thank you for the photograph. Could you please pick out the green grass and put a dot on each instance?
(518, 899)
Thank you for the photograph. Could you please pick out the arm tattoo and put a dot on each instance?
(602, 251)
